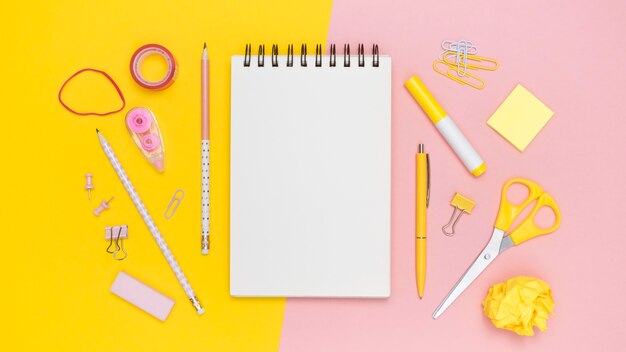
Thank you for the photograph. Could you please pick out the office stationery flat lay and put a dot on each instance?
(298, 181)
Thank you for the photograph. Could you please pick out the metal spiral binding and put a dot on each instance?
(290, 55)
(361, 52)
(261, 56)
(375, 58)
(275, 55)
(246, 59)
(318, 55)
(303, 55)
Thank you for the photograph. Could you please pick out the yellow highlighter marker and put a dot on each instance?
(448, 129)
(421, 203)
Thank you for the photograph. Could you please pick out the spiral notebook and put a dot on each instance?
(310, 174)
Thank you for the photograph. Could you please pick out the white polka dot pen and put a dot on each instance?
(167, 253)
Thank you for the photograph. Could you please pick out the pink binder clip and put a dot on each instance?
(144, 130)
(119, 234)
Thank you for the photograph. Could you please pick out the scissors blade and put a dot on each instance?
(489, 253)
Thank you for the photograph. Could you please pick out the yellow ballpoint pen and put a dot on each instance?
(422, 198)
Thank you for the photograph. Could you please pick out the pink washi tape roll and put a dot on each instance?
(141, 54)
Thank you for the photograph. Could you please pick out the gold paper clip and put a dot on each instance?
(452, 73)
(473, 62)
(461, 205)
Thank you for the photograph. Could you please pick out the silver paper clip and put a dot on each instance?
(462, 49)
(174, 203)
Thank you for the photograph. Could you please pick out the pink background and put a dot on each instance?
(571, 56)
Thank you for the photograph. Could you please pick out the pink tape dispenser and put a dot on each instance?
(144, 130)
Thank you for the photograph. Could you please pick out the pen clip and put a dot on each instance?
(427, 180)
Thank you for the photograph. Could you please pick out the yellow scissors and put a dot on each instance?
(498, 243)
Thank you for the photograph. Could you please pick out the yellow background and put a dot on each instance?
(56, 272)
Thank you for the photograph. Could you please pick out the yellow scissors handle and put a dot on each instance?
(497, 244)
(528, 229)
(508, 212)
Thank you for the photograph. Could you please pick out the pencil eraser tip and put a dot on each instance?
(205, 251)
(200, 311)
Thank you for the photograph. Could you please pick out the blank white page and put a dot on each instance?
(310, 179)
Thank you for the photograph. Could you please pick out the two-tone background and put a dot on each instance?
(57, 274)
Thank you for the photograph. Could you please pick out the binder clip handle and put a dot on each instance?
(461, 205)
(452, 223)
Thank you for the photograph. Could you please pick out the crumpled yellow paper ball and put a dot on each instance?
(519, 304)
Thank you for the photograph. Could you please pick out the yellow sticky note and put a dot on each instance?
(520, 117)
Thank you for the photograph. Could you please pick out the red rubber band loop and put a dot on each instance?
(119, 92)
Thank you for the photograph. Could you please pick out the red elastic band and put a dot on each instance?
(119, 92)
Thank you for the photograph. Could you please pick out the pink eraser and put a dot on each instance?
(143, 296)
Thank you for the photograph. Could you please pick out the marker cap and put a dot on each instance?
(425, 99)
(479, 170)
